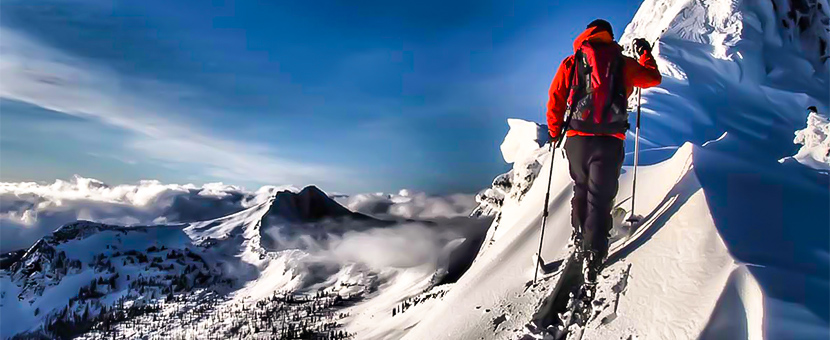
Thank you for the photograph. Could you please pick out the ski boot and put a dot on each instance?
(575, 242)
(590, 267)
(590, 271)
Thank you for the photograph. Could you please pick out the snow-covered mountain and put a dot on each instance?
(29, 211)
(297, 256)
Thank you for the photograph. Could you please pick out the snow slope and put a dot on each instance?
(678, 251)
(734, 243)
(58, 274)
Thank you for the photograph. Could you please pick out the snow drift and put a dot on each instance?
(521, 147)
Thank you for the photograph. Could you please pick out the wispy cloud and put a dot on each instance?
(122, 159)
(150, 110)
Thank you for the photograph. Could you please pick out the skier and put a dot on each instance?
(592, 87)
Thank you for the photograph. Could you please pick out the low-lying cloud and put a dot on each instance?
(29, 211)
(411, 205)
(376, 255)
(402, 246)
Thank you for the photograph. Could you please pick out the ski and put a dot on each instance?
(547, 269)
(618, 289)
(568, 296)
(547, 314)
(579, 310)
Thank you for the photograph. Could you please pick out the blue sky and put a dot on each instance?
(352, 96)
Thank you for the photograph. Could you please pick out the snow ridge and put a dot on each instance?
(738, 75)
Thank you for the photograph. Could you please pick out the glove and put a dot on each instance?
(640, 46)
(554, 139)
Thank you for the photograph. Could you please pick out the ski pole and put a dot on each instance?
(631, 218)
(552, 148)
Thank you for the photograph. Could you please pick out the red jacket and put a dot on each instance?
(640, 74)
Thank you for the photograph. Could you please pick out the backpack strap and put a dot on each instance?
(613, 87)
(576, 57)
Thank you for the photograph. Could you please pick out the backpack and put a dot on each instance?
(597, 102)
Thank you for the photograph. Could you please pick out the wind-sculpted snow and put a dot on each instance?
(815, 143)
(746, 71)
(523, 148)
(742, 67)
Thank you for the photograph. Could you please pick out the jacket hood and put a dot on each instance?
(592, 34)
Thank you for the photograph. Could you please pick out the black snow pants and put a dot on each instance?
(595, 163)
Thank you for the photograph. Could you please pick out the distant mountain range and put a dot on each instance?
(87, 278)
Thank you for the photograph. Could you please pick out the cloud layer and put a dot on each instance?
(29, 211)
(410, 205)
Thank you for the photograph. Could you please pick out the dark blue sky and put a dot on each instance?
(352, 96)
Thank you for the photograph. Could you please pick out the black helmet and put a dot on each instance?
(602, 25)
